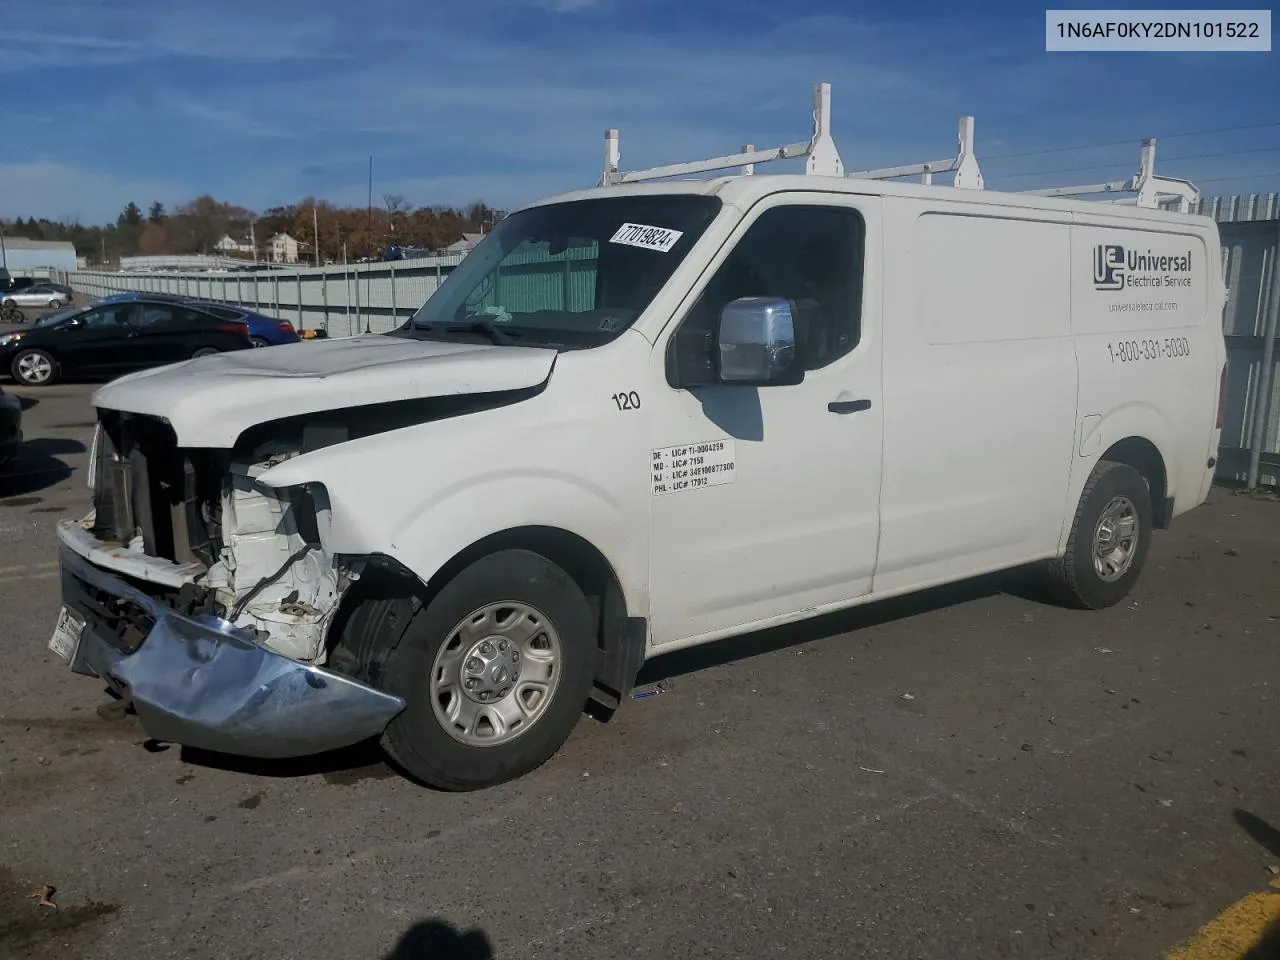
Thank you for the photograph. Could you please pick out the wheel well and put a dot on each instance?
(388, 594)
(1141, 454)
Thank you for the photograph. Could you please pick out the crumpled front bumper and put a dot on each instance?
(199, 682)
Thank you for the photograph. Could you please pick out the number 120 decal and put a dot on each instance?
(627, 401)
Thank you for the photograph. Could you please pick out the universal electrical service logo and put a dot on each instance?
(1115, 268)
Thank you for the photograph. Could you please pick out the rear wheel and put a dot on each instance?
(204, 352)
(259, 342)
(1109, 539)
(495, 671)
(53, 304)
(34, 368)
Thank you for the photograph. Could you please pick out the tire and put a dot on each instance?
(259, 342)
(1115, 499)
(204, 352)
(527, 591)
(54, 304)
(34, 368)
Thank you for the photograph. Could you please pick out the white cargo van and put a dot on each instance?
(636, 418)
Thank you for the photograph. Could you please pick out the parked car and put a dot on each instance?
(37, 295)
(11, 283)
(62, 288)
(264, 331)
(115, 338)
(10, 427)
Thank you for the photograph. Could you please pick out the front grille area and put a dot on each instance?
(121, 622)
(146, 485)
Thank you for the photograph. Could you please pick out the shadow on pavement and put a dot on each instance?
(1026, 584)
(350, 765)
(437, 940)
(37, 466)
(1261, 832)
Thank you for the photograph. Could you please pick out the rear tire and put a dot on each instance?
(54, 304)
(34, 368)
(511, 638)
(259, 342)
(204, 352)
(1109, 540)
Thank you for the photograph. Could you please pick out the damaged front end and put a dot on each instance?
(207, 597)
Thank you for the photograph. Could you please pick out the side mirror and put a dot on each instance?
(757, 342)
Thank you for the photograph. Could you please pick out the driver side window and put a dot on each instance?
(108, 318)
(809, 255)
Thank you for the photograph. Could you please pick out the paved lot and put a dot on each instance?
(1056, 784)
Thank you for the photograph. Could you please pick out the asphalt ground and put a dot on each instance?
(969, 773)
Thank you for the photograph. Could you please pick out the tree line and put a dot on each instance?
(325, 232)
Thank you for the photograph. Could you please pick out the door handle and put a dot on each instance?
(848, 406)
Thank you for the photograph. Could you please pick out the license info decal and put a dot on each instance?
(693, 465)
(648, 238)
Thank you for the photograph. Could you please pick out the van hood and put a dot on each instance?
(212, 400)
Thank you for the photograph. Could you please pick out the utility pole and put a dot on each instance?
(315, 229)
(368, 279)
(4, 256)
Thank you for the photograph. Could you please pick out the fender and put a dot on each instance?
(1100, 432)
(425, 493)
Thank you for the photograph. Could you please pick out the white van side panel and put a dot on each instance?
(1149, 342)
(980, 390)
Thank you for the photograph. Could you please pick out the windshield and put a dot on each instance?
(568, 275)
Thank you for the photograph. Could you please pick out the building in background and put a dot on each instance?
(284, 249)
(19, 255)
(229, 244)
(464, 245)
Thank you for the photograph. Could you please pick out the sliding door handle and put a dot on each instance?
(848, 406)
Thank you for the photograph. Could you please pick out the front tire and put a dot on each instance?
(495, 672)
(1109, 540)
(34, 368)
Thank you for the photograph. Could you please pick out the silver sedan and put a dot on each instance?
(36, 296)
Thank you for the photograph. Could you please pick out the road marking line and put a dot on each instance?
(22, 568)
(1235, 932)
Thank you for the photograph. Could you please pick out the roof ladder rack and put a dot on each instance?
(964, 163)
(1151, 191)
(823, 159)
(820, 149)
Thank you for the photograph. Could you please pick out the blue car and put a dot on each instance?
(264, 331)
(139, 295)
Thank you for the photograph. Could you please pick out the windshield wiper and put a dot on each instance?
(487, 327)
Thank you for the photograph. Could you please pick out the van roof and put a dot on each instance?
(744, 191)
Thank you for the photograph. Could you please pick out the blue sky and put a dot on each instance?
(262, 103)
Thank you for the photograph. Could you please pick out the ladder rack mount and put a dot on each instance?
(822, 158)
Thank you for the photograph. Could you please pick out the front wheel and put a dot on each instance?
(1109, 539)
(34, 368)
(495, 672)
